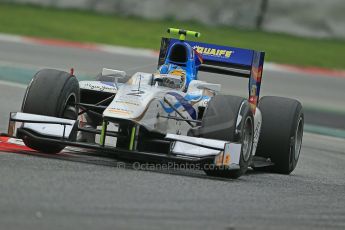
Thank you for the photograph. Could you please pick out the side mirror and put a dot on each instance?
(209, 86)
(111, 75)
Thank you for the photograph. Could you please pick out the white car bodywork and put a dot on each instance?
(147, 104)
(159, 109)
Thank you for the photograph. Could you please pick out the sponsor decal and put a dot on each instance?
(224, 158)
(253, 99)
(257, 131)
(188, 99)
(128, 102)
(119, 111)
(227, 159)
(108, 83)
(218, 161)
(222, 53)
(257, 73)
(99, 87)
(181, 102)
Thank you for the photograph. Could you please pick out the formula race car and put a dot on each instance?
(168, 116)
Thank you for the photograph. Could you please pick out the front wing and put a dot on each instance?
(183, 149)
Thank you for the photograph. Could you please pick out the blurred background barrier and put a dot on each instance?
(323, 19)
(320, 19)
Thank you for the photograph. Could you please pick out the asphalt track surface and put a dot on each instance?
(83, 191)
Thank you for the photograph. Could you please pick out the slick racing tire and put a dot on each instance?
(281, 133)
(220, 122)
(51, 93)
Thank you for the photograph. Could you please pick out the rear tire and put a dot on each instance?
(281, 133)
(51, 93)
(219, 122)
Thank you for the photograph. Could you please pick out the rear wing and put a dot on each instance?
(226, 60)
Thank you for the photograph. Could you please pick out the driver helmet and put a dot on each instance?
(173, 76)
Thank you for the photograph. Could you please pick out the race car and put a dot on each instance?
(168, 116)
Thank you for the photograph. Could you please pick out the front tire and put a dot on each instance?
(51, 93)
(220, 122)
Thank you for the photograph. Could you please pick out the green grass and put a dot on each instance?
(91, 27)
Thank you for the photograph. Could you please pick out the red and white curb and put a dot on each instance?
(12, 144)
(311, 70)
(154, 54)
(79, 45)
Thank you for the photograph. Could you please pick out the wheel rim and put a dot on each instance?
(247, 139)
(70, 111)
(298, 138)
